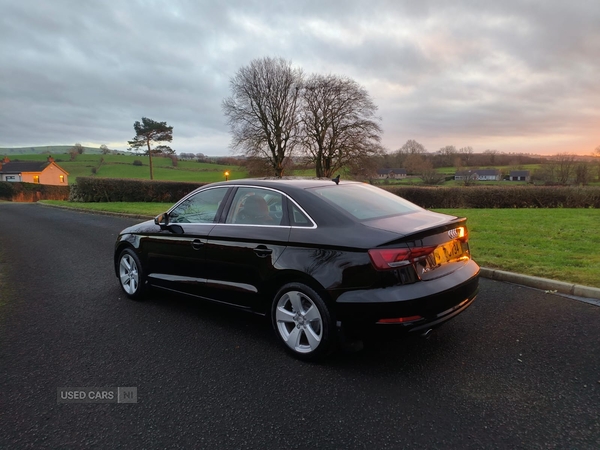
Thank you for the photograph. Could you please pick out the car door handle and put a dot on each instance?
(197, 244)
(262, 251)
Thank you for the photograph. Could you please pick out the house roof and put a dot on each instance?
(20, 167)
(27, 166)
(386, 171)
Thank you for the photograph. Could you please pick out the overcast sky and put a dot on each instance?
(511, 75)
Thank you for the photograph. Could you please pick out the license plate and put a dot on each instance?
(448, 252)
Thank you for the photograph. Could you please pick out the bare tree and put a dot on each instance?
(564, 167)
(411, 147)
(492, 156)
(416, 164)
(365, 166)
(466, 153)
(582, 173)
(429, 175)
(77, 149)
(262, 111)
(596, 154)
(338, 122)
(446, 155)
(104, 149)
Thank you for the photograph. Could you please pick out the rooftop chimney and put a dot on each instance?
(50, 158)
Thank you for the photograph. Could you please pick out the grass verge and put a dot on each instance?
(149, 209)
(560, 244)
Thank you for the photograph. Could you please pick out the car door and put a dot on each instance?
(242, 252)
(175, 256)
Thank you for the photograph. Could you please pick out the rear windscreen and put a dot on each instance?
(365, 202)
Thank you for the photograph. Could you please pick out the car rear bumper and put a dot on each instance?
(409, 308)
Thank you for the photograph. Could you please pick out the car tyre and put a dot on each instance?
(131, 274)
(303, 323)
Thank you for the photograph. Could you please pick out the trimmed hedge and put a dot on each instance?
(90, 189)
(32, 192)
(500, 196)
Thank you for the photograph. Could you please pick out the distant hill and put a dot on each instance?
(50, 149)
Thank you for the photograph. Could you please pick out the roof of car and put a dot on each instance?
(283, 183)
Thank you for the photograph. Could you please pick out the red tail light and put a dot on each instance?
(400, 319)
(390, 258)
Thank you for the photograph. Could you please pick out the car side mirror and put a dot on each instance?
(162, 220)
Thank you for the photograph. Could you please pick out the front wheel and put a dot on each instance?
(131, 274)
(303, 322)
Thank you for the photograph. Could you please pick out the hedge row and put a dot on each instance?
(500, 196)
(32, 192)
(90, 189)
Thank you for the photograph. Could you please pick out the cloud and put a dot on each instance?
(513, 75)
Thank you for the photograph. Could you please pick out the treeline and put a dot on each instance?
(412, 156)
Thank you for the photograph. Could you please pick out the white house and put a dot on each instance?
(479, 174)
(394, 174)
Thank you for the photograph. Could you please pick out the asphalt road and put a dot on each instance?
(519, 369)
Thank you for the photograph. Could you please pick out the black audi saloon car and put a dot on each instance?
(322, 259)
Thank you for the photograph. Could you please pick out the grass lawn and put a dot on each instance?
(560, 244)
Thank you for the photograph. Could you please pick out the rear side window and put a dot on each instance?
(299, 219)
(365, 202)
(256, 206)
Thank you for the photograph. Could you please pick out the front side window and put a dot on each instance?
(199, 208)
(36, 179)
(255, 206)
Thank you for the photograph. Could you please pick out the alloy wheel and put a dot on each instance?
(299, 322)
(128, 274)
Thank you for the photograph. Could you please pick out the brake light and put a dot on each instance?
(390, 258)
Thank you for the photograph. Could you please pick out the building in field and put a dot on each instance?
(479, 175)
(393, 174)
(520, 175)
(39, 172)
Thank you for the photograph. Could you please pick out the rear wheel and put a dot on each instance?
(303, 322)
(131, 274)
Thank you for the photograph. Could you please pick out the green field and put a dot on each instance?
(121, 166)
(560, 244)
